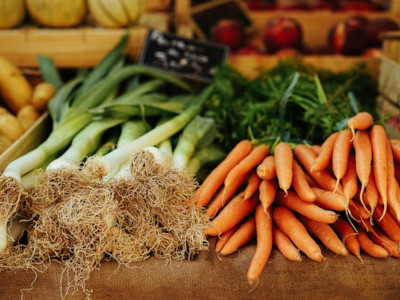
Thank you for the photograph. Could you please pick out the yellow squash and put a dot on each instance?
(116, 13)
(12, 13)
(57, 13)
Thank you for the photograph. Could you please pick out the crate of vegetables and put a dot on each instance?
(23, 109)
(78, 33)
(389, 76)
(330, 37)
(113, 202)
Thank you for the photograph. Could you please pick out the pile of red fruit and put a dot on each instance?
(356, 35)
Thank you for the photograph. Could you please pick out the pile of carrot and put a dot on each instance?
(342, 195)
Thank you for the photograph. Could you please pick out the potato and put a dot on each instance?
(27, 115)
(10, 126)
(14, 87)
(5, 142)
(42, 93)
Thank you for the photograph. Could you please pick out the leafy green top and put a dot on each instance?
(292, 102)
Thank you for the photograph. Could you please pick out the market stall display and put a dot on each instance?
(267, 179)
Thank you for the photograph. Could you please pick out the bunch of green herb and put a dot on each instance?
(292, 102)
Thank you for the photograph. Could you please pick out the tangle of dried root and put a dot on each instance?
(10, 195)
(80, 221)
(75, 232)
(160, 212)
(54, 187)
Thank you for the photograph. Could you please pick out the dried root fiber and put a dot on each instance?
(80, 221)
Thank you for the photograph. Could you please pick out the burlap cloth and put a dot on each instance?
(211, 277)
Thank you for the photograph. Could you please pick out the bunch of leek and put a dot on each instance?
(73, 109)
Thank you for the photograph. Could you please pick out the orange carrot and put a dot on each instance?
(266, 169)
(301, 185)
(349, 180)
(284, 165)
(325, 234)
(316, 149)
(387, 223)
(309, 209)
(223, 238)
(251, 161)
(234, 212)
(245, 232)
(369, 247)
(379, 156)
(392, 185)
(348, 236)
(267, 192)
(358, 211)
(264, 244)
(329, 200)
(252, 185)
(286, 220)
(340, 154)
(224, 196)
(366, 226)
(362, 121)
(306, 157)
(395, 145)
(371, 195)
(285, 245)
(323, 159)
(384, 241)
(217, 176)
(363, 155)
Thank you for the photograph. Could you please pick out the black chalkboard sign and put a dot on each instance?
(191, 58)
(206, 15)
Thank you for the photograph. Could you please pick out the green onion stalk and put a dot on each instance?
(99, 167)
(198, 129)
(77, 117)
(85, 143)
(70, 114)
(209, 154)
(130, 131)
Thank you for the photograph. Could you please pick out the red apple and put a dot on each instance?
(348, 37)
(361, 18)
(378, 26)
(229, 32)
(282, 32)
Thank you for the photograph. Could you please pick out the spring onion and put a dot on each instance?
(206, 155)
(85, 143)
(191, 136)
(101, 166)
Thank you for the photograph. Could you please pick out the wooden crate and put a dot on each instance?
(78, 47)
(316, 25)
(389, 95)
(315, 30)
(391, 45)
(28, 141)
